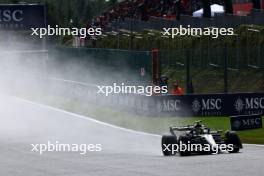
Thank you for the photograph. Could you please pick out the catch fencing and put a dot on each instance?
(154, 23)
(57, 81)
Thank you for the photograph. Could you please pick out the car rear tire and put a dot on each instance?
(168, 140)
(233, 138)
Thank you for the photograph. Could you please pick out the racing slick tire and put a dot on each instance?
(168, 140)
(233, 138)
(184, 140)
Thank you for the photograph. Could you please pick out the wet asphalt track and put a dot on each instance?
(125, 153)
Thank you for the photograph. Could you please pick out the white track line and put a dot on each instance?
(85, 117)
(257, 145)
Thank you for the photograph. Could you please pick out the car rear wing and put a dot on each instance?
(182, 128)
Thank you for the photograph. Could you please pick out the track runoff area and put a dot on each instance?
(28, 128)
(26, 124)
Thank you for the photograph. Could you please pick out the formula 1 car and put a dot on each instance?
(199, 135)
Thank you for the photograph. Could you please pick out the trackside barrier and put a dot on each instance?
(22, 16)
(245, 122)
(166, 105)
(211, 104)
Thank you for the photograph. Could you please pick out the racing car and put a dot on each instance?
(201, 135)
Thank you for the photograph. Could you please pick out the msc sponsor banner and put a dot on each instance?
(245, 122)
(171, 105)
(210, 104)
(207, 105)
(21, 17)
(191, 105)
(246, 104)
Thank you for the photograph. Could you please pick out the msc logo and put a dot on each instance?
(237, 124)
(11, 15)
(255, 103)
(196, 106)
(239, 105)
(252, 122)
(247, 123)
(169, 105)
(249, 104)
(207, 104)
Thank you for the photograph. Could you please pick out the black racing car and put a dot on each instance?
(199, 139)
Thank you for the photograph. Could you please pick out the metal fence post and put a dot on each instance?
(188, 71)
(131, 31)
(225, 70)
